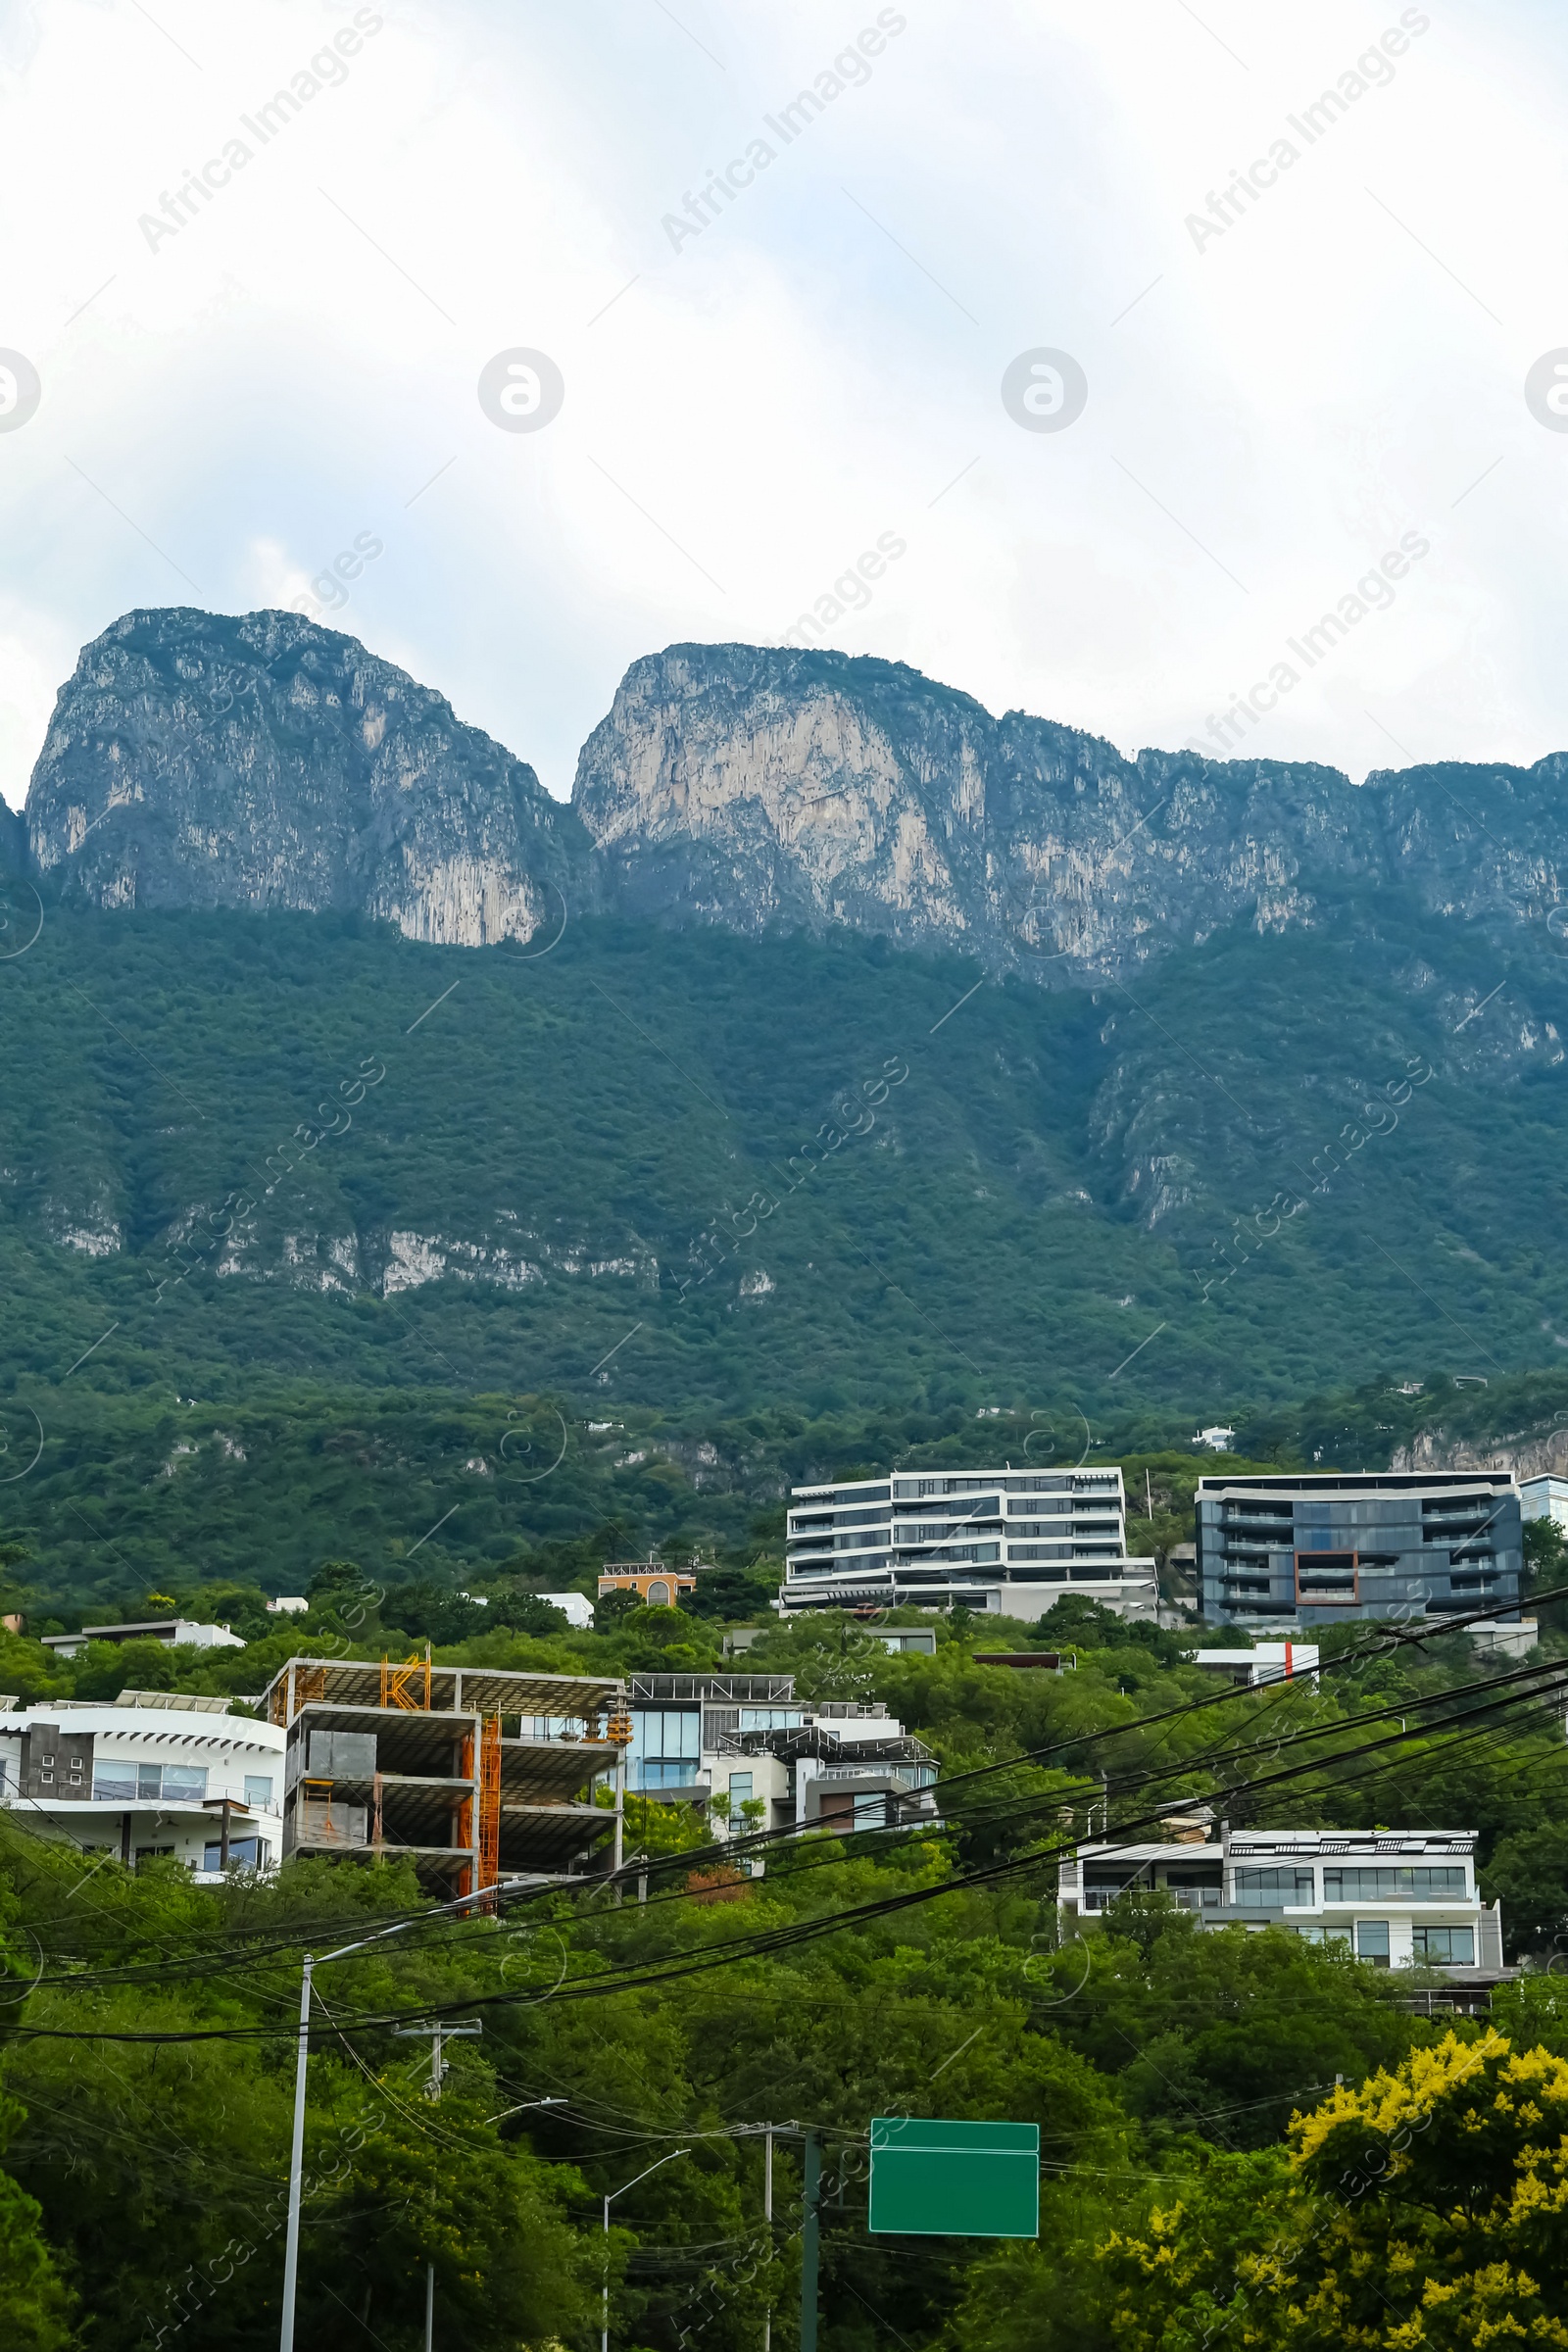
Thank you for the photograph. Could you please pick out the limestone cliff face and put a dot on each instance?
(755, 788)
(200, 761)
(197, 761)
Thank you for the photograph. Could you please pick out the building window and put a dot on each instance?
(665, 1733)
(258, 1788)
(1457, 1946)
(673, 1775)
(244, 1853)
(1395, 1881)
(740, 1787)
(114, 1783)
(1372, 1941)
(1271, 1889)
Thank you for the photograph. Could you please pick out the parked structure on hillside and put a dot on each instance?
(1007, 1542)
(159, 1772)
(470, 1773)
(1264, 1662)
(748, 1739)
(1309, 1551)
(1394, 1897)
(172, 1632)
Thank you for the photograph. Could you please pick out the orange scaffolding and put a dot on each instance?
(400, 1684)
(489, 1802)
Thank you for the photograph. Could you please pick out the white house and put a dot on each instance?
(1264, 1662)
(1394, 1897)
(157, 1772)
(172, 1632)
(576, 1608)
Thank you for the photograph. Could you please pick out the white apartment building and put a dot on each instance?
(1394, 1897)
(1544, 1498)
(1009, 1541)
(156, 1773)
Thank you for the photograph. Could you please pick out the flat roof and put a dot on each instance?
(461, 1690)
(1353, 1482)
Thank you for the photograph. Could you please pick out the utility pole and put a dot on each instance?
(440, 2031)
(768, 2215)
(812, 2187)
(603, 2307)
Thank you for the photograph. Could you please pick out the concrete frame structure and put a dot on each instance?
(159, 1772)
(415, 1761)
(1007, 1542)
(1314, 1549)
(1385, 1893)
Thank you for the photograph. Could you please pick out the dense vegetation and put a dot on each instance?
(706, 1174)
(888, 1974)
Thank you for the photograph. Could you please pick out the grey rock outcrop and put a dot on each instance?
(755, 788)
(196, 759)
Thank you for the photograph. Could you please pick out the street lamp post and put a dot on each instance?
(604, 2327)
(296, 2160)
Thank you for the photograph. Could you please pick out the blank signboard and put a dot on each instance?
(932, 2179)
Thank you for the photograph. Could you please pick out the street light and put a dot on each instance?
(527, 2103)
(296, 2160)
(604, 2325)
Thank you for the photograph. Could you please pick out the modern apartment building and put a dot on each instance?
(1307, 1550)
(1546, 1497)
(1007, 1542)
(748, 1739)
(1395, 1898)
(157, 1773)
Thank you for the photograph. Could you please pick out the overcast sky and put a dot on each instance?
(1275, 401)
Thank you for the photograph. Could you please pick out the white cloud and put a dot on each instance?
(297, 362)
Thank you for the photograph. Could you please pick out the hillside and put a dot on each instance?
(304, 1170)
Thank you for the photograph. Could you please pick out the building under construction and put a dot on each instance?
(472, 1774)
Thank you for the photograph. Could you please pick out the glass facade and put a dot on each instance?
(1369, 1545)
(1393, 1883)
(149, 1784)
(1271, 1889)
(666, 1744)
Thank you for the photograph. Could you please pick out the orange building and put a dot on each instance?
(656, 1587)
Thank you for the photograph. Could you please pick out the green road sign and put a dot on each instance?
(931, 2179)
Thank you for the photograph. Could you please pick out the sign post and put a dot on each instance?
(934, 2178)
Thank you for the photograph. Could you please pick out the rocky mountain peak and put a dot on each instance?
(199, 759)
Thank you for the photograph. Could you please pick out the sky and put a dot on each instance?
(1256, 400)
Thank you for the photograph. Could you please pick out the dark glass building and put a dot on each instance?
(1392, 1544)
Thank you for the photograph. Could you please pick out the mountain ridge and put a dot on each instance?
(265, 760)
